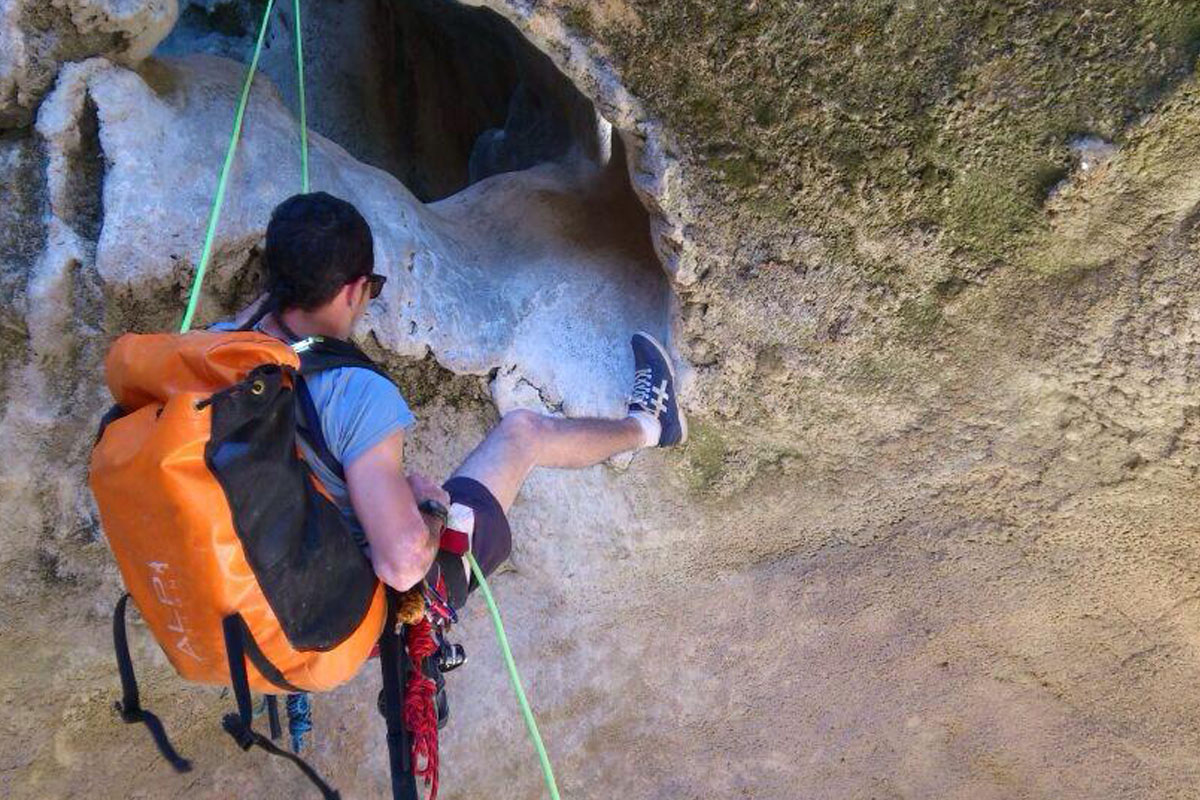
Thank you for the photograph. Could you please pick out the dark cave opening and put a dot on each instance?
(439, 94)
(480, 100)
(444, 96)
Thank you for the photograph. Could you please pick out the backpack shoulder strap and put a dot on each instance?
(320, 353)
(130, 706)
(240, 644)
(265, 307)
(317, 354)
(309, 429)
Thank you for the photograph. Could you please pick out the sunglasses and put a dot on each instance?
(375, 284)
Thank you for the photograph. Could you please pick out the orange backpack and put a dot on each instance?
(227, 543)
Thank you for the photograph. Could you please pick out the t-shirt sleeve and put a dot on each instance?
(367, 408)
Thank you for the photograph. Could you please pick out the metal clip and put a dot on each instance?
(306, 344)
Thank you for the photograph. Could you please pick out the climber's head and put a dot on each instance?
(320, 259)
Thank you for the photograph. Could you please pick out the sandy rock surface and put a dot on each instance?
(932, 277)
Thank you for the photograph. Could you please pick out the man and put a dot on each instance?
(320, 267)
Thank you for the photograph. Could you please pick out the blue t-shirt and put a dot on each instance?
(358, 410)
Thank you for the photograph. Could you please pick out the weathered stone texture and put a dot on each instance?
(932, 271)
(36, 36)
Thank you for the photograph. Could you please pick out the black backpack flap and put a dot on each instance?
(316, 579)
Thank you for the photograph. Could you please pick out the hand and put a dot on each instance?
(425, 489)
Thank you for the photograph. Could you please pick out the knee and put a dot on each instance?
(523, 427)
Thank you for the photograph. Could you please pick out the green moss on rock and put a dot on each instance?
(704, 456)
(952, 114)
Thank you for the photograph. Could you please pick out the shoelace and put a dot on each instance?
(642, 388)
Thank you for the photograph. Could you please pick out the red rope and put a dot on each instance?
(420, 710)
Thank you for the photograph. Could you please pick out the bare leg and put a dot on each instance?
(524, 440)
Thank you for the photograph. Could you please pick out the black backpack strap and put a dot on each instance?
(268, 305)
(318, 354)
(309, 428)
(395, 676)
(130, 704)
(239, 725)
(273, 716)
(110, 416)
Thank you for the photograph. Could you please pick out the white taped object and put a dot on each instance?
(462, 519)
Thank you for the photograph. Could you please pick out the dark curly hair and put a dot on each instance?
(316, 244)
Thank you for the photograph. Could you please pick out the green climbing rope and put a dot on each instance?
(515, 677)
(194, 299)
(214, 215)
(303, 111)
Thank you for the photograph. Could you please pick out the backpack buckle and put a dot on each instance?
(240, 732)
(306, 344)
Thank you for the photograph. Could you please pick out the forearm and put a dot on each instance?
(405, 557)
(403, 543)
(403, 551)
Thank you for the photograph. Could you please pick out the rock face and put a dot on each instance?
(934, 290)
(36, 36)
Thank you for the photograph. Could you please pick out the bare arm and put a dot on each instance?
(403, 544)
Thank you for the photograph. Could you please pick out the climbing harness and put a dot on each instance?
(412, 647)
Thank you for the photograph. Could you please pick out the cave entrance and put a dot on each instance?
(474, 99)
(439, 94)
(517, 166)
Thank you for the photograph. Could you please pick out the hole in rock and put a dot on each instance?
(439, 94)
(454, 102)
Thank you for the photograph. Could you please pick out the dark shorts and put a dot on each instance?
(491, 542)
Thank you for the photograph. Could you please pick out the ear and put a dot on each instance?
(354, 291)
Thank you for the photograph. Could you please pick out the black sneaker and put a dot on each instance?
(654, 389)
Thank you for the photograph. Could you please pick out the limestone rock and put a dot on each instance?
(36, 36)
(934, 534)
(538, 305)
(467, 281)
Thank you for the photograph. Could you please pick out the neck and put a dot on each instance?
(314, 323)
